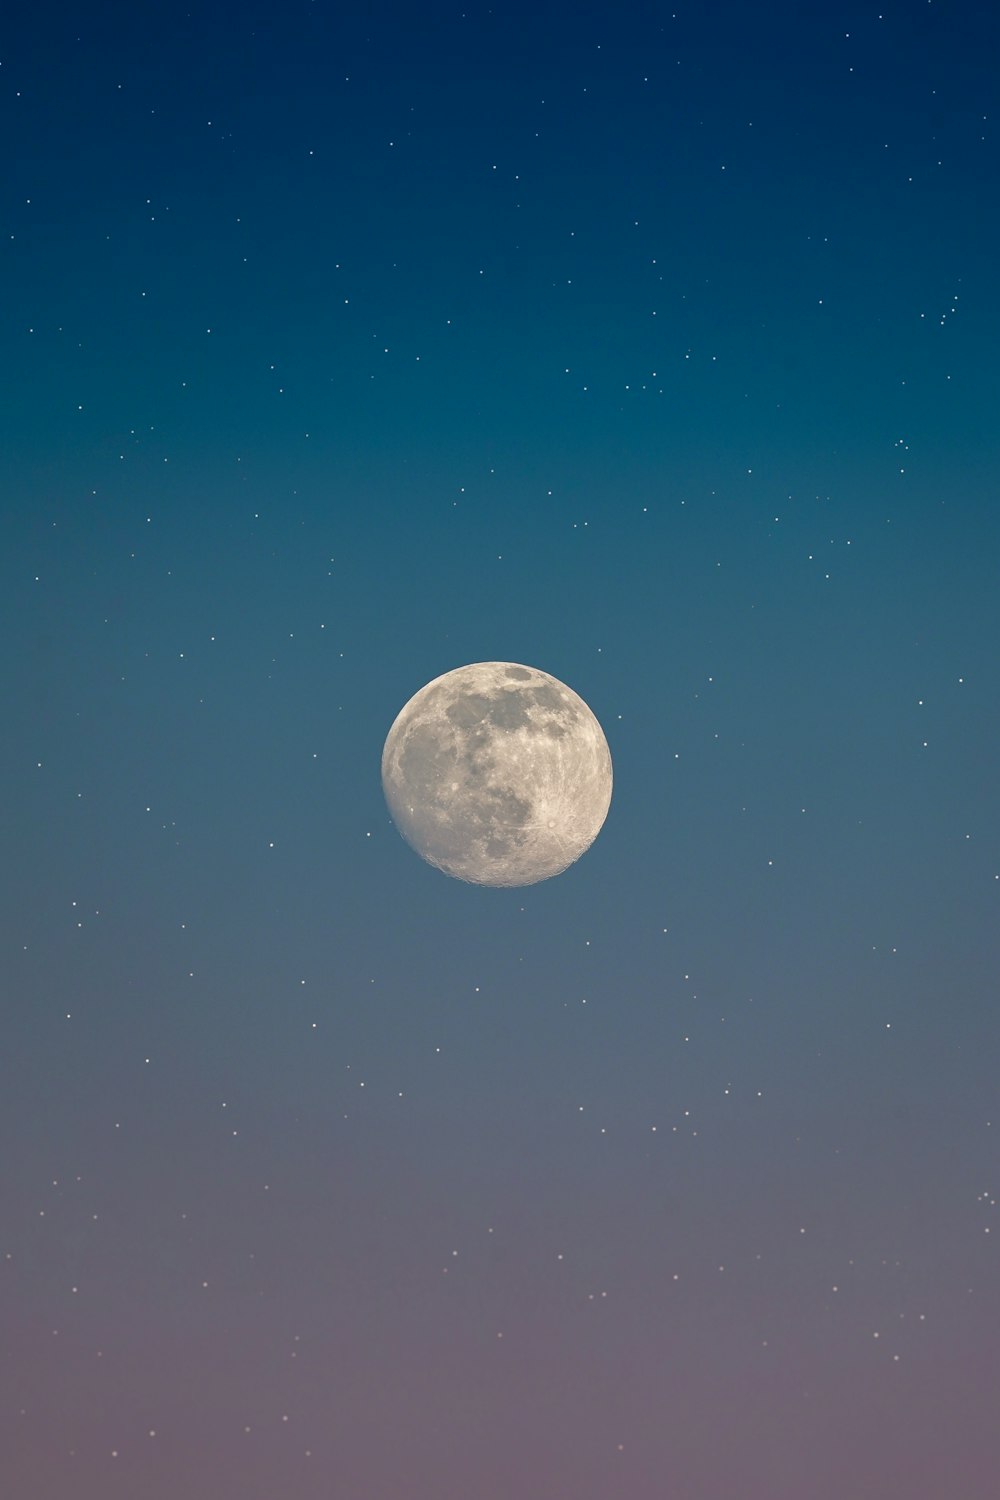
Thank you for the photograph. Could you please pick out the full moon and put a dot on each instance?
(497, 774)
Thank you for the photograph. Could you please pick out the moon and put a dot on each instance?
(497, 774)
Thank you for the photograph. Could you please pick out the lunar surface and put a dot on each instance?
(497, 774)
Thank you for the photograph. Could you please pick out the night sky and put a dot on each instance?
(652, 346)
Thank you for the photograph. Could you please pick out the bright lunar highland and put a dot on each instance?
(497, 774)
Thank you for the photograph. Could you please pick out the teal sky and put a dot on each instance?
(653, 347)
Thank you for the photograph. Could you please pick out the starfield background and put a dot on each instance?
(651, 345)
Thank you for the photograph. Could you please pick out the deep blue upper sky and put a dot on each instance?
(654, 347)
